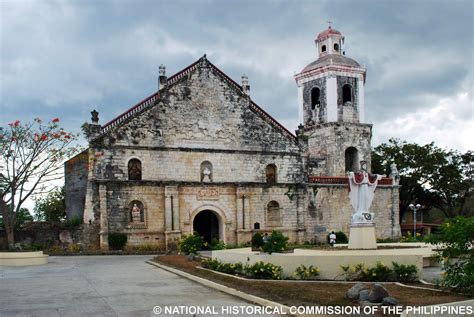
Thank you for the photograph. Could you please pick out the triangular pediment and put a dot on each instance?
(200, 107)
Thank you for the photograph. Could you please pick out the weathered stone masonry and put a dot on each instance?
(201, 155)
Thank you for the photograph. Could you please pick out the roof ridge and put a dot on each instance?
(147, 101)
(131, 111)
(150, 100)
(255, 106)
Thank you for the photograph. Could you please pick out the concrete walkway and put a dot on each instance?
(99, 286)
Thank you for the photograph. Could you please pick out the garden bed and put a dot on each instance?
(307, 293)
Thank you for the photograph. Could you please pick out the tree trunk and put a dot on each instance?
(7, 224)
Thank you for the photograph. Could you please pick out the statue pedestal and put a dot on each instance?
(362, 236)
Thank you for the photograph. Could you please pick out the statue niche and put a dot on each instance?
(206, 171)
(137, 213)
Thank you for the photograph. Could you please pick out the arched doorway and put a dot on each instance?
(206, 224)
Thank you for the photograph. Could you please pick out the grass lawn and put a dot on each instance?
(307, 293)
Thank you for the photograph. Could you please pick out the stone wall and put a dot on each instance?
(330, 210)
(202, 110)
(185, 164)
(318, 114)
(202, 118)
(348, 112)
(237, 208)
(329, 141)
(75, 182)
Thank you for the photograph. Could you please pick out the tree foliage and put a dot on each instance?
(455, 241)
(429, 175)
(31, 157)
(22, 217)
(51, 208)
(276, 242)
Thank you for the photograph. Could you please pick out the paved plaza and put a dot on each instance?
(99, 286)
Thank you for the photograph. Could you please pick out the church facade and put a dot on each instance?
(200, 155)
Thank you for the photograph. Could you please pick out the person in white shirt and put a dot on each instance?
(332, 239)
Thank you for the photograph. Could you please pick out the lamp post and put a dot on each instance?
(414, 208)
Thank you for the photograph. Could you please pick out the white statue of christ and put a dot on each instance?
(362, 187)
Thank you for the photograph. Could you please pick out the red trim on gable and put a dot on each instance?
(272, 120)
(181, 73)
(173, 79)
(256, 107)
(139, 106)
(233, 82)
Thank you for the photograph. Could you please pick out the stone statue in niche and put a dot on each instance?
(136, 213)
(315, 113)
(206, 171)
(394, 174)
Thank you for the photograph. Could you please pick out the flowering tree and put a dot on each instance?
(31, 157)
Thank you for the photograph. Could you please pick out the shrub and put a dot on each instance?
(35, 247)
(73, 222)
(74, 248)
(55, 249)
(117, 241)
(340, 237)
(379, 273)
(191, 243)
(217, 244)
(408, 237)
(405, 273)
(261, 270)
(211, 264)
(455, 241)
(276, 242)
(360, 272)
(146, 248)
(387, 240)
(304, 273)
(240, 245)
(216, 265)
(230, 268)
(257, 240)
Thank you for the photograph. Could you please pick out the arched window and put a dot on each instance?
(323, 48)
(136, 211)
(271, 174)
(256, 226)
(206, 171)
(352, 159)
(336, 47)
(346, 94)
(135, 170)
(315, 92)
(273, 214)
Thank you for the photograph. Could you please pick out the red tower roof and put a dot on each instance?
(325, 34)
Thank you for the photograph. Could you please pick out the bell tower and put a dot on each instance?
(331, 105)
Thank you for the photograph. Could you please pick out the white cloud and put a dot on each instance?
(446, 123)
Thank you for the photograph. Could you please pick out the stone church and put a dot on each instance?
(200, 155)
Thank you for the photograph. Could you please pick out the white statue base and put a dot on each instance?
(362, 236)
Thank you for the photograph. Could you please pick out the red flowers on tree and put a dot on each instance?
(31, 156)
(14, 124)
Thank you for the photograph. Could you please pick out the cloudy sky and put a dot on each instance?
(64, 58)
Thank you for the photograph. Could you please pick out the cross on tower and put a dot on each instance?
(329, 22)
